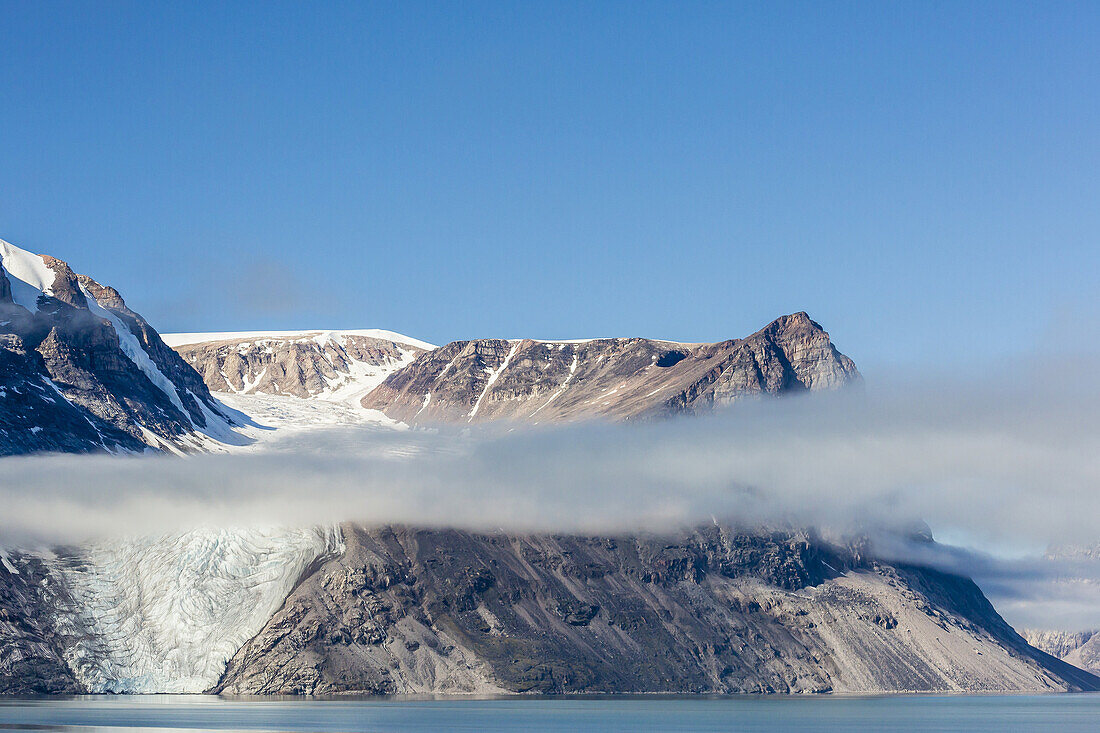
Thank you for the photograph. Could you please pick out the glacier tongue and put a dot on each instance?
(164, 615)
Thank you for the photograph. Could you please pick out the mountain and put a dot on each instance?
(330, 365)
(536, 381)
(1079, 648)
(81, 372)
(714, 610)
(522, 380)
(386, 609)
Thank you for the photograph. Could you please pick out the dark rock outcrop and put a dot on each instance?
(81, 372)
(31, 647)
(36, 416)
(405, 610)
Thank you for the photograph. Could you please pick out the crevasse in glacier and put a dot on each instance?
(165, 614)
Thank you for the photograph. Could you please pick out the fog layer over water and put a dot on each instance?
(1008, 467)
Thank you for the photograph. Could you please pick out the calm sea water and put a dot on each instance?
(973, 714)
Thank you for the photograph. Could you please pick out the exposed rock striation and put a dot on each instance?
(404, 610)
(341, 365)
(1079, 648)
(81, 372)
(538, 381)
(714, 610)
(31, 648)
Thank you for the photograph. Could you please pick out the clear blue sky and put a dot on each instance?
(923, 178)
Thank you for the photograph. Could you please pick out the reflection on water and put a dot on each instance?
(165, 713)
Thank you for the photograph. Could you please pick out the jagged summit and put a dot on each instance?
(123, 387)
(80, 371)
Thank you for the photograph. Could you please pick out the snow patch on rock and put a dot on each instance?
(135, 352)
(28, 274)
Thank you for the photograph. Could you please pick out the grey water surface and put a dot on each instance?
(1064, 713)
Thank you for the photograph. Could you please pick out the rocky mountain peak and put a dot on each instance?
(474, 380)
(99, 377)
(105, 295)
(66, 287)
(619, 378)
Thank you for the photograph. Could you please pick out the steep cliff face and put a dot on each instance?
(31, 648)
(82, 372)
(407, 611)
(36, 416)
(386, 610)
(537, 381)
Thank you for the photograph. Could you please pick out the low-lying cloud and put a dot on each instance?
(1011, 465)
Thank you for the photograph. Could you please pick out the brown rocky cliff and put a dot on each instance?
(66, 286)
(626, 378)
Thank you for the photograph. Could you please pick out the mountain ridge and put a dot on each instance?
(619, 378)
(522, 379)
(403, 609)
(711, 610)
(89, 374)
(392, 609)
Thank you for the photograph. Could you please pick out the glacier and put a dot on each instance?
(165, 614)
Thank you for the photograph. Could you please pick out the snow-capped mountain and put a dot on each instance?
(523, 380)
(81, 372)
(338, 366)
(404, 609)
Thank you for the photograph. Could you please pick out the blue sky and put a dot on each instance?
(922, 178)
